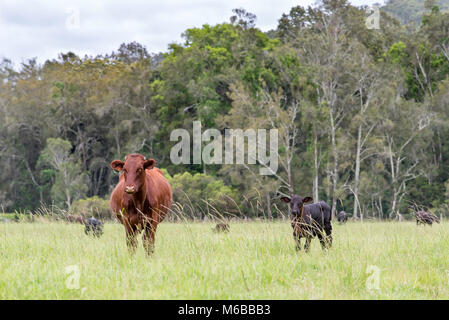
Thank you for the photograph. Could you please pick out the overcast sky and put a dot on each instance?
(45, 28)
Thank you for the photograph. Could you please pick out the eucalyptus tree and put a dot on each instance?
(70, 182)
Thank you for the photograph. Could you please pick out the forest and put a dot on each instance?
(362, 114)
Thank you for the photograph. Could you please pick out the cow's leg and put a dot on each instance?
(325, 238)
(131, 240)
(297, 241)
(307, 244)
(322, 238)
(328, 238)
(148, 237)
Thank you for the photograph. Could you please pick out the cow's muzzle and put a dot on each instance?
(130, 190)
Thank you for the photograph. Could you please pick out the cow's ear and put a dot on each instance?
(117, 165)
(286, 199)
(307, 199)
(148, 164)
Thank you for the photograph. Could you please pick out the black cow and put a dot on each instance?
(310, 220)
(93, 227)
(424, 217)
(342, 217)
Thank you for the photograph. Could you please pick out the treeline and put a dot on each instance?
(362, 114)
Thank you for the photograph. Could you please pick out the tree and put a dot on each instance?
(403, 133)
(70, 183)
(375, 88)
(328, 51)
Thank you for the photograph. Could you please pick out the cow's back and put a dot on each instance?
(342, 216)
(319, 211)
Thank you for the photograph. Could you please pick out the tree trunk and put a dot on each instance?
(290, 180)
(68, 200)
(381, 210)
(39, 187)
(315, 158)
(335, 164)
(393, 204)
(357, 174)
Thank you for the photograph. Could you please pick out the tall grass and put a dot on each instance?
(255, 260)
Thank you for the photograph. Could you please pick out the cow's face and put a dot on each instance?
(133, 170)
(296, 203)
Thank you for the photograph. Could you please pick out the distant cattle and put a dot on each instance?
(424, 217)
(93, 227)
(310, 220)
(141, 199)
(75, 218)
(222, 227)
(342, 217)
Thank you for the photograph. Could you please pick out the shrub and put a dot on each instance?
(92, 207)
(202, 195)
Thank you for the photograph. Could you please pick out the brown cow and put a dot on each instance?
(221, 227)
(141, 199)
(75, 218)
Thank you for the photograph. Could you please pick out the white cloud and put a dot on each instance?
(37, 28)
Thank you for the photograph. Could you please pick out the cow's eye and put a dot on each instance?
(139, 170)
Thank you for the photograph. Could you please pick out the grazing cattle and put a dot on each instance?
(75, 218)
(424, 217)
(342, 217)
(310, 220)
(93, 227)
(141, 199)
(222, 227)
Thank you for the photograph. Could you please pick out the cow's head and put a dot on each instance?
(296, 203)
(133, 170)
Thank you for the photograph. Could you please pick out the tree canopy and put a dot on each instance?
(362, 113)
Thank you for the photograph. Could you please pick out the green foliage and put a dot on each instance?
(70, 182)
(202, 195)
(8, 216)
(63, 122)
(92, 207)
(398, 53)
(408, 11)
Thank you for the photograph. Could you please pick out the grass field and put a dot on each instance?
(256, 260)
